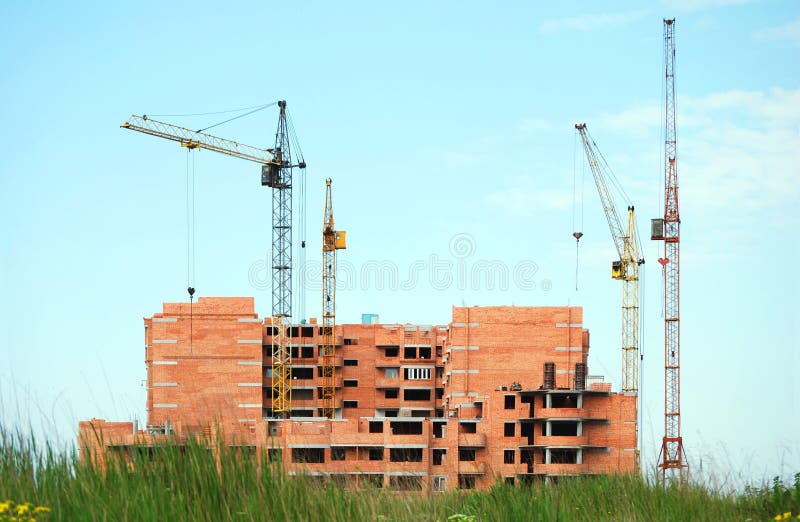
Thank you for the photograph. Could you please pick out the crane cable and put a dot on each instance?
(577, 234)
(190, 242)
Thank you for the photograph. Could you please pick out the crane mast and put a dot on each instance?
(625, 269)
(276, 172)
(332, 240)
(672, 458)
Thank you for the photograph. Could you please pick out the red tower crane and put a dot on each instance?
(672, 458)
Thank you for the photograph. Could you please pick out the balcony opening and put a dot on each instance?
(406, 428)
(466, 481)
(295, 351)
(416, 395)
(294, 331)
(375, 453)
(392, 351)
(563, 456)
(351, 383)
(274, 455)
(308, 455)
(509, 429)
(326, 330)
(405, 454)
(307, 331)
(439, 430)
(424, 352)
(510, 402)
(271, 330)
(307, 352)
(564, 429)
(410, 352)
(391, 373)
(424, 414)
(301, 413)
(338, 454)
(376, 426)
(509, 456)
(351, 362)
(349, 404)
(406, 483)
(390, 413)
(438, 412)
(302, 373)
(563, 401)
(350, 341)
(440, 484)
(468, 427)
(438, 456)
(439, 393)
(438, 350)
(391, 393)
(466, 455)
(370, 481)
(439, 372)
(303, 395)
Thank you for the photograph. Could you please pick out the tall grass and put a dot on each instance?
(191, 483)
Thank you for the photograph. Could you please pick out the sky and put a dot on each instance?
(448, 131)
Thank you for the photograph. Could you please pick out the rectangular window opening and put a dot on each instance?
(438, 456)
(466, 455)
(406, 428)
(405, 454)
(308, 455)
(508, 456)
(416, 395)
(510, 402)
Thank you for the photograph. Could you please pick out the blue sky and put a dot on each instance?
(448, 130)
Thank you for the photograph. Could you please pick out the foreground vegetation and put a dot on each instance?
(170, 483)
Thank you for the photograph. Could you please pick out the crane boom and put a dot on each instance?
(276, 173)
(606, 198)
(198, 140)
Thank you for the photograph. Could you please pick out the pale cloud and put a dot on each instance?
(788, 32)
(736, 149)
(588, 22)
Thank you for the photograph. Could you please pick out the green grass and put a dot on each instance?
(188, 484)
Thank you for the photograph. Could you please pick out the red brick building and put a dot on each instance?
(498, 393)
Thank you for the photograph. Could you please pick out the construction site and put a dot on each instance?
(498, 393)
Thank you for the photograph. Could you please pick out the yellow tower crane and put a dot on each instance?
(276, 173)
(332, 240)
(626, 269)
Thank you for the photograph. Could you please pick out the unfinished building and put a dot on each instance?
(499, 393)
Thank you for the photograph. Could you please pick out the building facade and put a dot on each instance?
(499, 393)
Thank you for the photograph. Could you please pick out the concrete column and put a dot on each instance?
(580, 428)
(548, 428)
(580, 400)
(547, 456)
